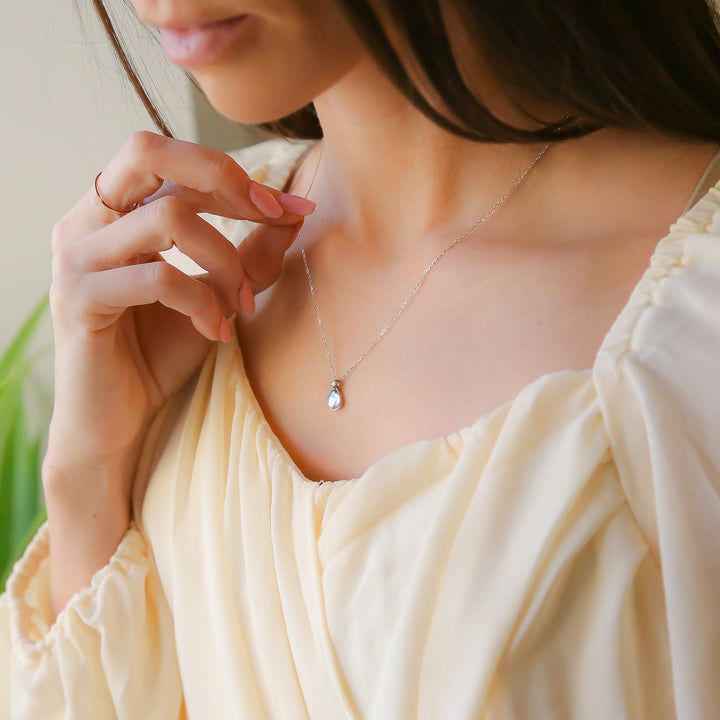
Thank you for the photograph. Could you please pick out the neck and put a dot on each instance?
(391, 176)
(392, 181)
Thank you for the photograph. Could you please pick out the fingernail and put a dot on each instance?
(246, 298)
(265, 201)
(296, 204)
(224, 331)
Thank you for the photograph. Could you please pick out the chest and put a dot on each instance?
(486, 323)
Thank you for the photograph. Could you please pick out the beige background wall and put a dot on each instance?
(65, 110)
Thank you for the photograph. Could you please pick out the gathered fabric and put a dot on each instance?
(559, 559)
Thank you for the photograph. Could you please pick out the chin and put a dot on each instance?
(249, 102)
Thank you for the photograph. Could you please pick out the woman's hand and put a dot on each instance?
(130, 328)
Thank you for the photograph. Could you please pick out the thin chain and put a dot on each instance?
(419, 283)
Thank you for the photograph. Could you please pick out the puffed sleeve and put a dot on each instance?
(110, 652)
(658, 377)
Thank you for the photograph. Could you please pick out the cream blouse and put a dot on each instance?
(558, 559)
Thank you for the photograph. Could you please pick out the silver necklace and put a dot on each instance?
(336, 399)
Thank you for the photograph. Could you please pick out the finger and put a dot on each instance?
(147, 160)
(90, 214)
(103, 296)
(262, 252)
(198, 202)
(152, 229)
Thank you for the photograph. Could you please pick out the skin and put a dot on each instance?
(533, 292)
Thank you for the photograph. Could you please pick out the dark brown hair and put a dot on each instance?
(622, 63)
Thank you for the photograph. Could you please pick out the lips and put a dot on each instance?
(206, 43)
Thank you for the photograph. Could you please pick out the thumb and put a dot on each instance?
(262, 253)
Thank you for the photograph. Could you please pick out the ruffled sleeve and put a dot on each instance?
(658, 377)
(110, 652)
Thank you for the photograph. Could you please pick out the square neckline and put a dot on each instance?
(638, 299)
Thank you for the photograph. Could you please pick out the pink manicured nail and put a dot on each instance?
(224, 331)
(296, 204)
(246, 298)
(265, 201)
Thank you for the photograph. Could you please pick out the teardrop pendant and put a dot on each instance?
(335, 399)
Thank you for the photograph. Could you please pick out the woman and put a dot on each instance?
(465, 465)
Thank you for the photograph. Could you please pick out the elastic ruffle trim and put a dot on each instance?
(31, 635)
(669, 258)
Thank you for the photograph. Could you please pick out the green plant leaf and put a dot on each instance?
(10, 404)
(32, 528)
(25, 482)
(20, 453)
(15, 354)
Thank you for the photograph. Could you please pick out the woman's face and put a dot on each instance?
(256, 60)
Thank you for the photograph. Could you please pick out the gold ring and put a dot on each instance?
(134, 206)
